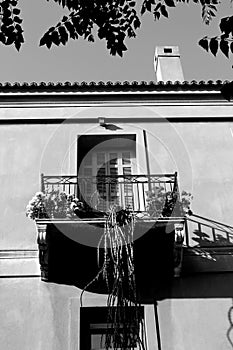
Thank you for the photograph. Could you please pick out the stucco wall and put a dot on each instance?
(195, 324)
(35, 315)
(200, 152)
(45, 316)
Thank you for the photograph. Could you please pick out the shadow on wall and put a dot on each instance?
(204, 239)
(207, 270)
(230, 329)
(73, 263)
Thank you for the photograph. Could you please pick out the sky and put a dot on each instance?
(81, 60)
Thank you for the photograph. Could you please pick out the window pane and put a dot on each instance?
(127, 170)
(87, 171)
(98, 337)
(101, 171)
(88, 159)
(100, 158)
(126, 158)
(113, 171)
(113, 158)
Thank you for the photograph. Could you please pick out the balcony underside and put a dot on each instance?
(72, 260)
(72, 254)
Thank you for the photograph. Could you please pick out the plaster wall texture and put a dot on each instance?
(195, 324)
(169, 69)
(46, 316)
(35, 315)
(199, 151)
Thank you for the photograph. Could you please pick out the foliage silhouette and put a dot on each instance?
(115, 20)
(11, 30)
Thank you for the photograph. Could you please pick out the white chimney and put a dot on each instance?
(167, 64)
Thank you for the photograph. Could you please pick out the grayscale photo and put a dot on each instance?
(116, 174)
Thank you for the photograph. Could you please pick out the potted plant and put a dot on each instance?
(166, 204)
(46, 206)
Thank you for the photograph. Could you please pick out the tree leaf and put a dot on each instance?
(64, 19)
(63, 35)
(6, 13)
(225, 25)
(17, 19)
(18, 28)
(2, 38)
(143, 9)
(16, 11)
(148, 6)
(136, 23)
(55, 38)
(10, 40)
(213, 45)
(17, 45)
(42, 40)
(71, 30)
(170, 3)
(91, 38)
(7, 21)
(231, 24)
(163, 11)
(224, 47)
(157, 7)
(156, 15)
(119, 52)
(204, 43)
(48, 42)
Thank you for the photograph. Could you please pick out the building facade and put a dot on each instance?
(141, 132)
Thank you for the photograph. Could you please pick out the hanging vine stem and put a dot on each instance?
(125, 329)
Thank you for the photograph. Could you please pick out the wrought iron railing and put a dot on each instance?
(206, 233)
(127, 191)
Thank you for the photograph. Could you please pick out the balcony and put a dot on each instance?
(76, 239)
(132, 192)
(167, 242)
(208, 246)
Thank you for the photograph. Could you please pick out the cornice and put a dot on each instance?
(109, 86)
(84, 94)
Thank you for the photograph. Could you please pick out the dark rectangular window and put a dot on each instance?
(94, 326)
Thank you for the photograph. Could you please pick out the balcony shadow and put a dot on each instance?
(73, 263)
(207, 269)
(207, 245)
(203, 239)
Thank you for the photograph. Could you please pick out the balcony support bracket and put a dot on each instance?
(178, 248)
(42, 241)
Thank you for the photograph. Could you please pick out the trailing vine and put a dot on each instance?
(116, 269)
